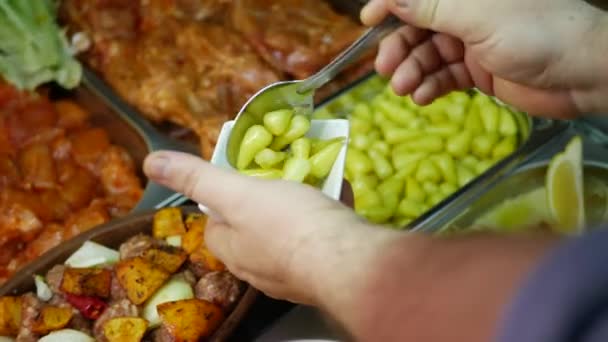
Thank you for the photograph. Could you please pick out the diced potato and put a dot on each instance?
(168, 258)
(125, 329)
(190, 320)
(195, 236)
(203, 256)
(93, 282)
(140, 278)
(51, 318)
(10, 315)
(168, 222)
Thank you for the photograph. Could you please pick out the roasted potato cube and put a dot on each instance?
(125, 329)
(191, 319)
(168, 258)
(10, 315)
(203, 256)
(195, 236)
(51, 318)
(140, 278)
(168, 222)
(93, 282)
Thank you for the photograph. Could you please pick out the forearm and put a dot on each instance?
(419, 288)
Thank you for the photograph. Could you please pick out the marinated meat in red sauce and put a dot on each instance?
(59, 176)
(195, 63)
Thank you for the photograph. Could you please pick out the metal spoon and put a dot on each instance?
(300, 94)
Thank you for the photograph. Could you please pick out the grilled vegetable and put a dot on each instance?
(125, 329)
(51, 318)
(92, 254)
(93, 282)
(168, 258)
(191, 319)
(10, 315)
(176, 289)
(89, 307)
(67, 335)
(140, 278)
(168, 222)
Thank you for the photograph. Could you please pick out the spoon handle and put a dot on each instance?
(370, 38)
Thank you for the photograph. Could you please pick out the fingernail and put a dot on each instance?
(156, 165)
(402, 3)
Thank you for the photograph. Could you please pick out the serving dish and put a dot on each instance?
(535, 134)
(112, 235)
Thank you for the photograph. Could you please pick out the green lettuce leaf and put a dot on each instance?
(33, 48)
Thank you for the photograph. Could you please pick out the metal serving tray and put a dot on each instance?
(531, 175)
(537, 136)
(130, 131)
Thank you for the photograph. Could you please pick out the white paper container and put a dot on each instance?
(319, 129)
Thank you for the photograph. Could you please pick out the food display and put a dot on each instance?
(279, 149)
(59, 175)
(161, 287)
(195, 63)
(403, 158)
(562, 196)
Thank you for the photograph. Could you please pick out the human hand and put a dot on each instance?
(286, 239)
(544, 57)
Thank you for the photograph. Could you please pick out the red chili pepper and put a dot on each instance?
(89, 307)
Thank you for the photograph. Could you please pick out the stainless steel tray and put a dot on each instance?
(531, 175)
(128, 129)
(540, 132)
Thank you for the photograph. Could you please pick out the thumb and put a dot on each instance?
(219, 189)
(446, 16)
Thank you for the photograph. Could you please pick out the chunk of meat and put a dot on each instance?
(78, 185)
(118, 178)
(136, 245)
(161, 334)
(71, 115)
(37, 166)
(62, 148)
(31, 118)
(27, 200)
(199, 270)
(52, 235)
(295, 36)
(18, 221)
(30, 310)
(88, 146)
(120, 308)
(57, 205)
(54, 276)
(117, 292)
(221, 288)
(85, 219)
(9, 173)
(6, 146)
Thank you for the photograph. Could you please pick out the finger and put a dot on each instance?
(447, 16)
(221, 190)
(219, 238)
(373, 12)
(434, 86)
(451, 50)
(396, 47)
(423, 60)
(481, 78)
